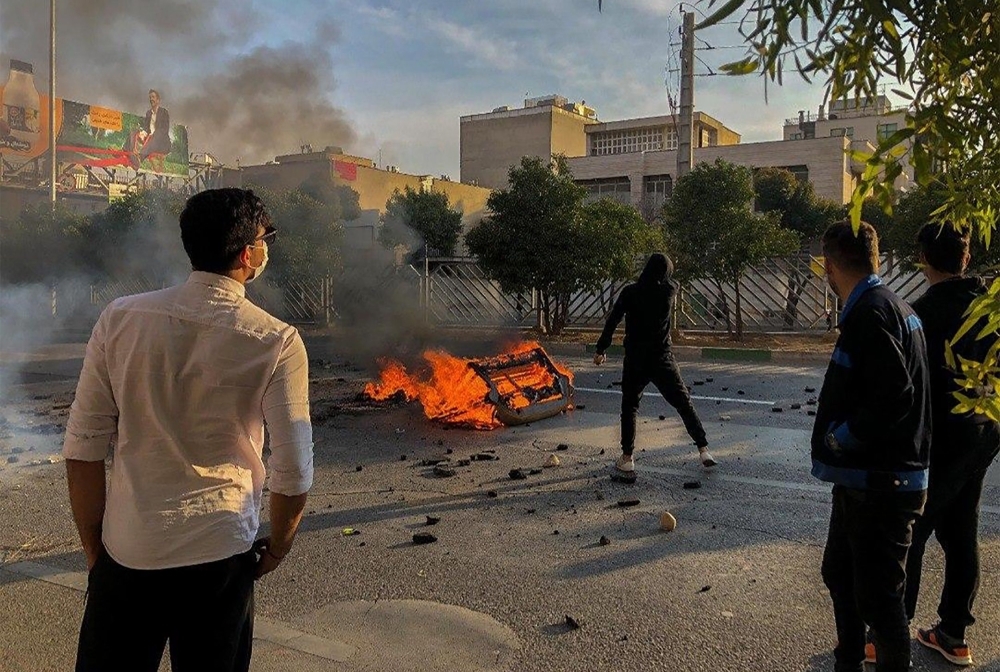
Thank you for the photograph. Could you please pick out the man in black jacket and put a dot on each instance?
(871, 440)
(963, 448)
(647, 306)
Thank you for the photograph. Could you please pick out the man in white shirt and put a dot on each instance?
(177, 387)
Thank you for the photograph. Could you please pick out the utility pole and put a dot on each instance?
(685, 131)
(53, 167)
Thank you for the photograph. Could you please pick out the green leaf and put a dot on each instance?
(744, 67)
(720, 14)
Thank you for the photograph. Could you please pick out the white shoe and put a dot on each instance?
(706, 458)
(625, 464)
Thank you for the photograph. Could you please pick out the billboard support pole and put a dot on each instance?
(53, 167)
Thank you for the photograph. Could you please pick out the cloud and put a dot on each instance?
(497, 53)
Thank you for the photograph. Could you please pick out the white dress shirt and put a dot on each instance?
(181, 382)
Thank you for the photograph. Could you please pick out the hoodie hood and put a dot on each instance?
(658, 270)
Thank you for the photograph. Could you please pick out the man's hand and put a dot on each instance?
(267, 559)
(600, 358)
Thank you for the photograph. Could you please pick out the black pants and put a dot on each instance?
(952, 514)
(663, 373)
(863, 566)
(206, 611)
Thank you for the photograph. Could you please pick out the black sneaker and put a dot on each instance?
(954, 650)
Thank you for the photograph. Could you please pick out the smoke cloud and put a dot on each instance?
(239, 100)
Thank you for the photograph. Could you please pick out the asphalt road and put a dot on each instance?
(735, 587)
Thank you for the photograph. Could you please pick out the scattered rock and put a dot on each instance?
(630, 501)
(552, 460)
(449, 451)
(604, 541)
(572, 623)
(432, 462)
(534, 472)
(811, 412)
(795, 407)
(12, 459)
(699, 382)
(692, 485)
(623, 476)
(580, 407)
(440, 442)
(444, 471)
(400, 430)
(530, 511)
(710, 380)
(464, 463)
(492, 494)
(728, 614)
(725, 389)
(616, 382)
(667, 521)
(602, 451)
(811, 402)
(483, 457)
(358, 468)
(810, 390)
(705, 589)
(740, 392)
(517, 475)
(555, 532)
(562, 446)
(663, 417)
(433, 520)
(777, 409)
(424, 538)
(16, 451)
(610, 386)
(725, 417)
(54, 459)
(350, 531)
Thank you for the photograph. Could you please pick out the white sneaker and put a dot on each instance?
(625, 464)
(706, 458)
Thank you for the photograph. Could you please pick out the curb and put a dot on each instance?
(711, 353)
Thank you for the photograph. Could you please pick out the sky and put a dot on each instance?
(386, 79)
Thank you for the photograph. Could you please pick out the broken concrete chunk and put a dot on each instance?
(517, 475)
(725, 417)
(810, 390)
(692, 485)
(491, 494)
(777, 409)
(667, 521)
(552, 460)
(573, 623)
(630, 501)
(795, 407)
(562, 446)
(604, 541)
(705, 589)
(433, 520)
(444, 471)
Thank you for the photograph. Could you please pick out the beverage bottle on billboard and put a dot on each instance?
(22, 106)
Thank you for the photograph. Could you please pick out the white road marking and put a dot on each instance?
(693, 396)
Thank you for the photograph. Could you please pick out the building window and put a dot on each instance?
(656, 189)
(885, 130)
(616, 188)
(631, 141)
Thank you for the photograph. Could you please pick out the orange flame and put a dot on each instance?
(451, 391)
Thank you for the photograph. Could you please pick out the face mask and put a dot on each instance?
(259, 269)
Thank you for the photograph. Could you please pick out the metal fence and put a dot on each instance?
(780, 295)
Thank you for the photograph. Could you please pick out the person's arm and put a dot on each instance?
(93, 422)
(885, 387)
(86, 499)
(617, 313)
(286, 412)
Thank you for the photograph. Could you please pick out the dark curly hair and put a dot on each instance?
(217, 224)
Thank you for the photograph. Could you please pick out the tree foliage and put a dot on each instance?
(415, 218)
(713, 232)
(40, 245)
(795, 201)
(945, 59)
(542, 236)
(309, 238)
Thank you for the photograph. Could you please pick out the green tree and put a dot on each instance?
(542, 236)
(795, 202)
(713, 232)
(415, 218)
(310, 235)
(40, 245)
(943, 57)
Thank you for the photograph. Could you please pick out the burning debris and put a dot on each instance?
(516, 387)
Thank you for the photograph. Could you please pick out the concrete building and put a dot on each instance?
(635, 160)
(373, 185)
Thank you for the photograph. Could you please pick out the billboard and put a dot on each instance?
(88, 135)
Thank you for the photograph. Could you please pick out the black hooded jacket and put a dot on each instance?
(647, 306)
(941, 309)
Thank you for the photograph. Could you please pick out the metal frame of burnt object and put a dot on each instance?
(544, 402)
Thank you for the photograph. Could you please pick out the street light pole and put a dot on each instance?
(53, 167)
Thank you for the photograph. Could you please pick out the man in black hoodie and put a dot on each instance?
(647, 306)
(871, 440)
(962, 450)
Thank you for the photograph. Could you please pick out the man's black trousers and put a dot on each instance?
(205, 611)
(661, 370)
(863, 566)
(959, 462)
